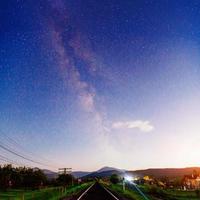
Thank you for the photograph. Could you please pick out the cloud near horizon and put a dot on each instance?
(144, 126)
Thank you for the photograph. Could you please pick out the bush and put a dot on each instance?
(197, 192)
(114, 179)
(65, 179)
(21, 177)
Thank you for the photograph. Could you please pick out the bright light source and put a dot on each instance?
(128, 178)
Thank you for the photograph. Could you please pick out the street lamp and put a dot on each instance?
(129, 179)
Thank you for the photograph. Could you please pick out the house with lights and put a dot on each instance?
(191, 182)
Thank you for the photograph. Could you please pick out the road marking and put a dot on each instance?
(85, 192)
(111, 193)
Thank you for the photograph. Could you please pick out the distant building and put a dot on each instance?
(148, 180)
(191, 181)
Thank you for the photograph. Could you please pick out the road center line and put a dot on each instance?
(111, 193)
(85, 191)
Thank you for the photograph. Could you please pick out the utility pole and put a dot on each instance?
(123, 184)
(66, 170)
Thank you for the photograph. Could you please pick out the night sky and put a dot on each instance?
(92, 83)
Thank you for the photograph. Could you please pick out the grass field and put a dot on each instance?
(153, 193)
(117, 188)
(169, 194)
(53, 193)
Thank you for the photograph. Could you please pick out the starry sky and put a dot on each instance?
(92, 83)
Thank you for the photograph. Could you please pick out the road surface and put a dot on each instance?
(97, 192)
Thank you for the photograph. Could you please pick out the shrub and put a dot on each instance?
(114, 179)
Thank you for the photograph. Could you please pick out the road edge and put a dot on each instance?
(85, 192)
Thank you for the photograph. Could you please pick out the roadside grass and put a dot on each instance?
(152, 192)
(169, 194)
(128, 193)
(182, 195)
(53, 193)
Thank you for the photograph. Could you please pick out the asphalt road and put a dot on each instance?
(97, 192)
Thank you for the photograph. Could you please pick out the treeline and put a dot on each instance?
(30, 178)
(21, 177)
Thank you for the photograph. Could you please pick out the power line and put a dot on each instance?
(9, 149)
(19, 146)
(9, 161)
(21, 156)
(5, 148)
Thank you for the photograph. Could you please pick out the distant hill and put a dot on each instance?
(104, 169)
(168, 172)
(101, 174)
(108, 171)
(154, 172)
(104, 172)
(79, 174)
(50, 174)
